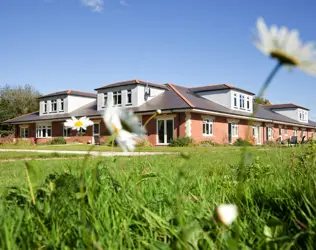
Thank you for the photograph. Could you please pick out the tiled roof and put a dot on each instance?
(132, 82)
(218, 87)
(70, 92)
(284, 106)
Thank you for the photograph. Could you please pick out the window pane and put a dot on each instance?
(96, 128)
(119, 99)
(211, 128)
(204, 127)
(161, 131)
(26, 132)
(43, 132)
(169, 130)
(49, 132)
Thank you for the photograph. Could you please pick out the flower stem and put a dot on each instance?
(246, 157)
(30, 185)
(150, 118)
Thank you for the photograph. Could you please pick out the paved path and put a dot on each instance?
(94, 153)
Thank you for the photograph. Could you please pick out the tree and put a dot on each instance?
(261, 100)
(16, 101)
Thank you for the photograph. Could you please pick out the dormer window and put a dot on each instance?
(117, 98)
(61, 105)
(242, 102)
(129, 97)
(302, 115)
(235, 101)
(54, 106)
(45, 107)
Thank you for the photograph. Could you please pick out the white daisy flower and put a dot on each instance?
(124, 125)
(76, 124)
(226, 213)
(285, 46)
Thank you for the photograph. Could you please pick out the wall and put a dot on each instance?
(291, 113)
(75, 102)
(222, 97)
(48, 99)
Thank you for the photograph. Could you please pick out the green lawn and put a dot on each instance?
(33, 155)
(162, 202)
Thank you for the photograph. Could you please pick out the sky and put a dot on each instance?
(56, 45)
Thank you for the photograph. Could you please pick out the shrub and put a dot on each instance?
(208, 142)
(7, 139)
(23, 142)
(272, 143)
(144, 143)
(242, 142)
(58, 140)
(182, 141)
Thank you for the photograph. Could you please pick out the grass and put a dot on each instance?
(162, 202)
(34, 155)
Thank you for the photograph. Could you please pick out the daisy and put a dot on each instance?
(76, 124)
(124, 125)
(285, 46)
(226, 213)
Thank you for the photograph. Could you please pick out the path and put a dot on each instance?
(94, 153)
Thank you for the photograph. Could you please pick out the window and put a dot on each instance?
(53, 106)
(117, 98)
(67, 132)
(45, 107)
(295, 132)
(234, 130)
(242, 102)
(61, 108)
(129, 97)
(285, 130)
(303, 115)
(303, 133)
(164, 131)
(105, 99)
(24, 132)
(270, 133)
(248, 103)
(207, 127)
(81, 132)
(43, 131)
(235, 101)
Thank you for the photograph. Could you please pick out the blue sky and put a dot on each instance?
(83, 44)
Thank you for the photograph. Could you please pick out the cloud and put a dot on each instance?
(123, 3)
(95, 5)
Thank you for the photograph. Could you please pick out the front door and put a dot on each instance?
(96, 133)
(164, 131)
(230, 140)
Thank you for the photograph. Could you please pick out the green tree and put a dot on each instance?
(261, 100)
(16, 101)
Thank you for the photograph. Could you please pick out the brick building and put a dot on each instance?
(220, 113)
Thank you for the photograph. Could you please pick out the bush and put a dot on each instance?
(272, 143)
(58, 140)
(144, 143)
(7, 140)
(24, 142)
(242, 142)
(209, 142)
(182, 141)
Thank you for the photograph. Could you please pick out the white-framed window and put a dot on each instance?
(295, 132)
(285, 130)
(45, 107)
(105, 99)
(242, 102)
(24, 132)
(207, 127)
(235, 101)
(248, 103)
(66, 132)
(270, 133)
(81, 132)
(53, 106)
(117, 98)
(303, 133)
(234, 130)
(165, 130)
(302, 115)
(61, 108)
(129, 97)
(43, 130)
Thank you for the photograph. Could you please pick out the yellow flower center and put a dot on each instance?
(283, 58)
(78, 124)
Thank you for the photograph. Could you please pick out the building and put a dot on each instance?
(220, 113)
